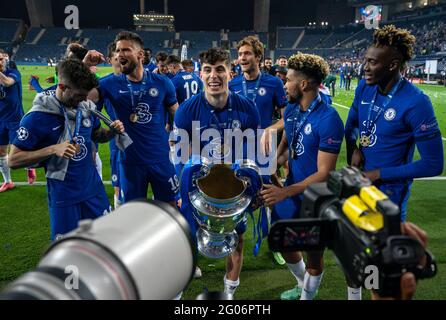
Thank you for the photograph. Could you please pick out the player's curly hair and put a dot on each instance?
(77, 74)
(311, 65)
(399, 39)
(255, 44)
(214, 55)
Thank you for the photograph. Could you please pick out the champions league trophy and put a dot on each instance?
(221, 196)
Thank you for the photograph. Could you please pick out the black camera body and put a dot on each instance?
(349, 216)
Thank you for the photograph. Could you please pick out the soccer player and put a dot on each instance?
(186, 84)
(57, 133)
(112, 58)
(314, 133)
(161, 65)
(264, 90)
(219, 109)
(189, 66)
(390, 116)
(148, 64)
(281, 61)
(267, 66)
(140, 99)
(11, 112)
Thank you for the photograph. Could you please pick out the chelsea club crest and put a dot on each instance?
(390, 114)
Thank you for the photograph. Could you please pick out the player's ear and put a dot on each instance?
(394, 65)
(141, 54)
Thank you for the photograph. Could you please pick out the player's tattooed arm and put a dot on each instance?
(21, 159)
(102, 135)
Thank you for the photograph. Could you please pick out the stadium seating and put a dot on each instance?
(333, 43)
(8, 29)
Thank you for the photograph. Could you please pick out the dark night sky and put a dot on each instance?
(189, 15)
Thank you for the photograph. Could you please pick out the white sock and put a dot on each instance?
(116, 201)
(230, 285)
(99, 164)
(354, 293)
(4, 169)
(311, 284)
(298, 271)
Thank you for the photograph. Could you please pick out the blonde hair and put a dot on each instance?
(311, 65)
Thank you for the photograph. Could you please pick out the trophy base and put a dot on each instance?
(216, 245)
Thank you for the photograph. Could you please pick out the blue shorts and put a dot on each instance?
(8, 132)
(399, 194)
(114, 166)
(286, 209)
(66, 219)
(135, 181)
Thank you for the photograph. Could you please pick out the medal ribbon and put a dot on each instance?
(141, 92)
(370, 123)
(256, 88)
(299, 120)
(77, 126)
(214, 117)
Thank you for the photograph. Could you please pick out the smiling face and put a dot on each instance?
(247, 59)
(268, 63)
(129, 55)
(215, 77)
(380, 64)
(283, 62)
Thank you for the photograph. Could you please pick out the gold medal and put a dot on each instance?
(365, 141)
(77, 147)
(134, 117)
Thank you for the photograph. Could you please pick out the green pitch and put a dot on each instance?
(24, 227)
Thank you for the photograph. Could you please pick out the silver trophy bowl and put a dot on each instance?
(220, 203)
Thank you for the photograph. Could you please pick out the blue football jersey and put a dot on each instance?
(39, 130)
(244, 116)
(186, 85)
(270, 93)
(393, 130)
(11, 109)
(150, 67)
(152, 99)
(323, 130)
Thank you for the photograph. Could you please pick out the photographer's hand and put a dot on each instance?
(408, 281)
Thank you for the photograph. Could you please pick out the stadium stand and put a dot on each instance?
(8, 28)
(334, 43)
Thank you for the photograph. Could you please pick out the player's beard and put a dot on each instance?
(295, 98)
(129, 67)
